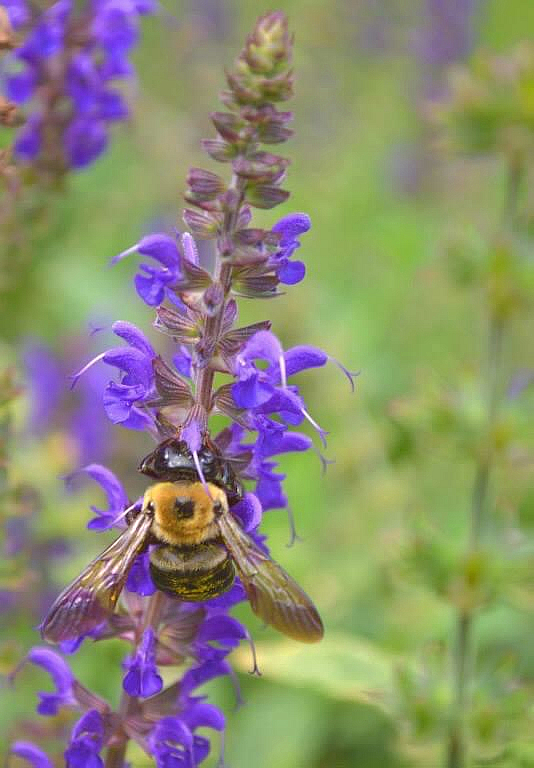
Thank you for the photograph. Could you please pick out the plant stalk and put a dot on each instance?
(457, 743)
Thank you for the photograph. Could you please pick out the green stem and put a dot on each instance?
(457, 743)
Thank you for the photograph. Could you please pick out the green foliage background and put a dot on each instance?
(386, 528)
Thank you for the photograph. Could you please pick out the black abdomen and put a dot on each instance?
(192, 574)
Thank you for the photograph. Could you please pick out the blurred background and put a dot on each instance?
(399, 226)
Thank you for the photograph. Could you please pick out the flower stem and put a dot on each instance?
(457, 746)
(116, 753)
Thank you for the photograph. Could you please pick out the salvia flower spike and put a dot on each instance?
(197, 307)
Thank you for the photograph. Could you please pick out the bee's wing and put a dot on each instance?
(91, 598)
(274, 596)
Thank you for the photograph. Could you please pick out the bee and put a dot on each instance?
(198, 548)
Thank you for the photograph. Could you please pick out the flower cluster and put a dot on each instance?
(63, 66)
(196, 306)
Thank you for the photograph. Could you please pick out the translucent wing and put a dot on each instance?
(91, 598)
(274, 596)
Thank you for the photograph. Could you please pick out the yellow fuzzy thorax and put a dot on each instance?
(200, 527)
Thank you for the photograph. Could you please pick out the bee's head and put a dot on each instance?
(183, 510)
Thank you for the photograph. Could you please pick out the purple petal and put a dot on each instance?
(18, 13)
(85, 139)
(162, 248)
(270, 494)
(263, 346)
(291, 272)
(151, 289)
(142, 678)
(46, 384)
(111, 485)
(182, 361)
(223, 629)
(303, 357)
(62, 677)
(192, 435)
(291, 226)
(204, 715)
(136, 366)
(171, 743)
(90, 723)
(111, 106)
(20, 87)
(139, 579)
(197, 676)
(32, 754)
(252, 392)
(29, 139)
(134, 337)
(249, 511)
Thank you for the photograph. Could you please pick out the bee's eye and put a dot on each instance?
(184, 508)
(217, 507)
(151, 507)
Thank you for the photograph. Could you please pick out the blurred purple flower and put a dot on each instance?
(75, 51)
(32, 754)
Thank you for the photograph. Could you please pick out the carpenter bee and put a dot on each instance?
(198, 548)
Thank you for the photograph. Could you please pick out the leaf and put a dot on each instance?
(340, 666)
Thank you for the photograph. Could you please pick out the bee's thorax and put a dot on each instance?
(184, 514)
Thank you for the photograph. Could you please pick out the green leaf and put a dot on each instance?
(340, 666)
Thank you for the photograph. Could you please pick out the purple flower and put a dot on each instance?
(116, 495)
(173, 742)
(18, 12)
(32, 754)
(142, 677)
(195, 294)
(154, 282)
(289, 228)
(139, 579)
(62, 677)
(123, 400)
(78, 67)
(87, 739)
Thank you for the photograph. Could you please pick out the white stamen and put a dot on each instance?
(86, 367)
(292, 529)
(349, 374)
(283, 372)
(316, 426)
(201, 474)
(124, 254)
(255, 669)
